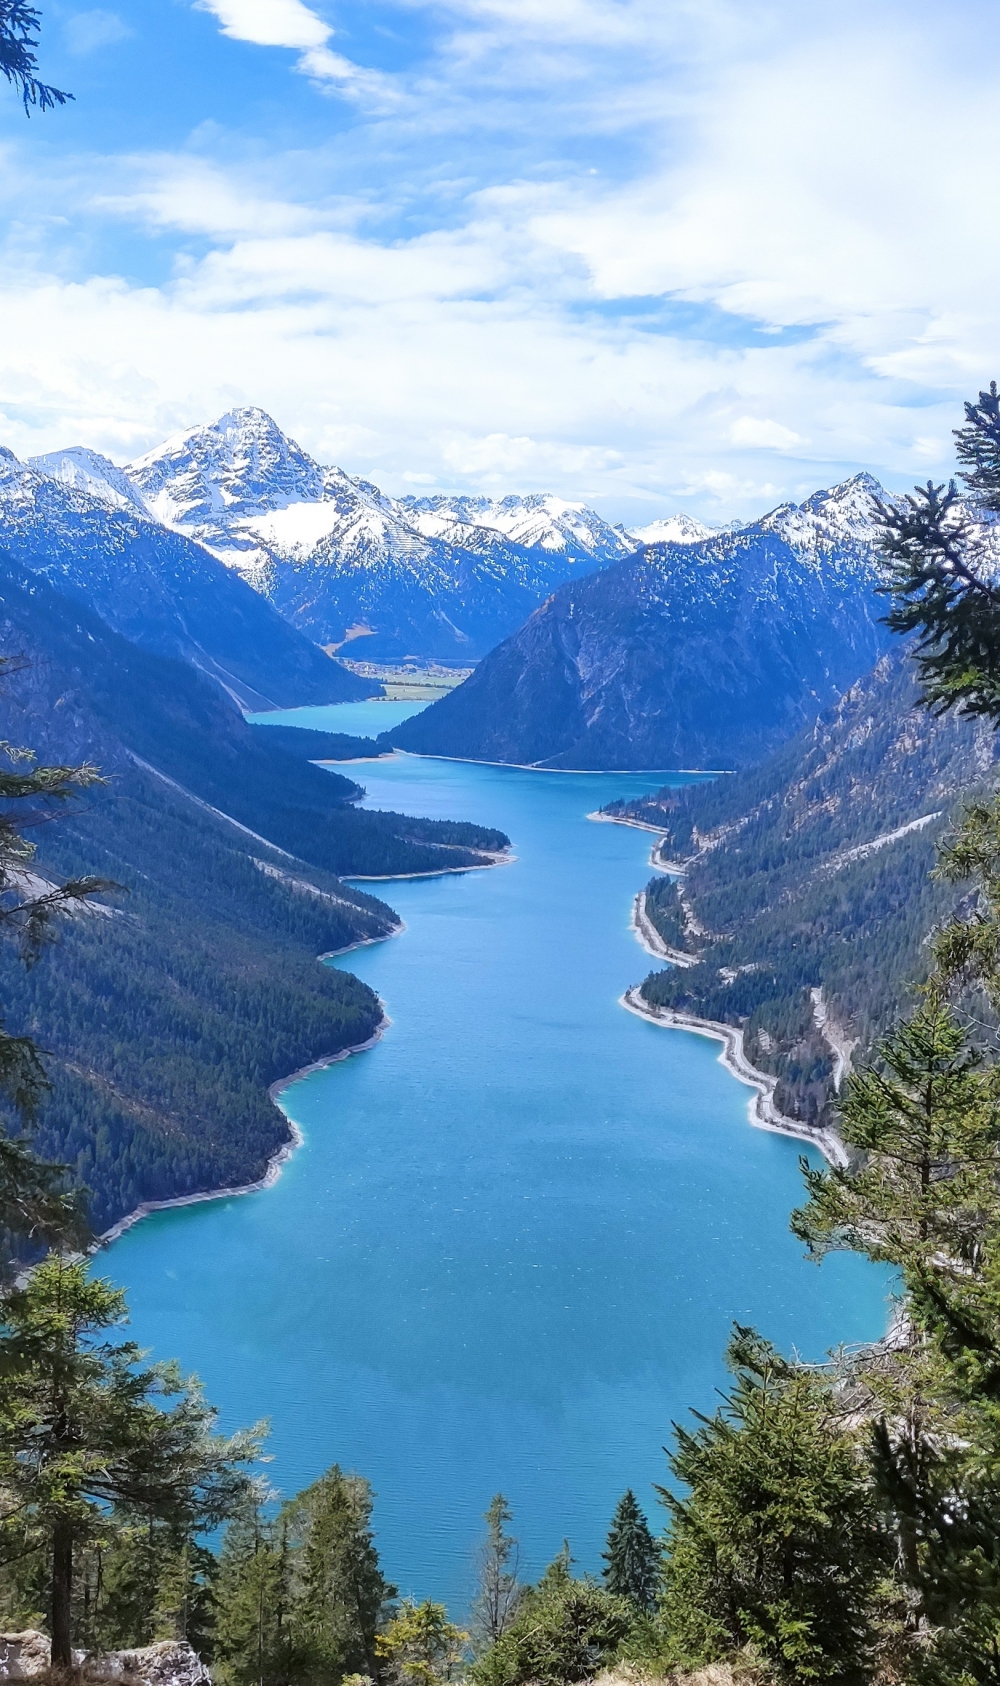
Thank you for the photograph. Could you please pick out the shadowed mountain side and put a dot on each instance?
(164, 592)
(703, 655)
(88, 693)
(167, 1014)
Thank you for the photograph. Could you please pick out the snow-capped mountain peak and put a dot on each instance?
(674, 529)
(845, 515)
(240, 465)
(90, 472)
(540, 521)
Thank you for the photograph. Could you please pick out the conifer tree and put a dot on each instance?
(33, 1201)
(342, 1596)
(184, 1607)
(89, 1440)
(941, 579)
(775, 1549)
(18, 39)
(633, 1556)
(924, 1196)
(499, 1591)
(420, 1646)
(253, 1640)
(563, 1630)
(924, 1124)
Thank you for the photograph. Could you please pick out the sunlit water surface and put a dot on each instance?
(510, 1251)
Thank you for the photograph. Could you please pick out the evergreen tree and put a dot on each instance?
(342, 1596)
(18, 39)
(89, 1440)
(118, 1580)
(253, 1641)
(564, 1630)
(420, 1646)
(633, 1556)
(940, 576)
(924, 1126)
(185, 1600)
(32, 1200)
(775, 1550)
(499, 1592)
(924, 1195)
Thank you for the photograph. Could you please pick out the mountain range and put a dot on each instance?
(698, 654)
(433, 577)
(167, 1012)
(159, 588)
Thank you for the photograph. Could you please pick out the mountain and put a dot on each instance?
(167, 1014)
(538, 522)
(704, 654)
(77, 524)
(105, 698)
(676, 529)
(808, 880)
(428, 577)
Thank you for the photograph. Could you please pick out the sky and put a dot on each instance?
(650, 254)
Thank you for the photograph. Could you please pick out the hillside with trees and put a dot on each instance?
(813, 872)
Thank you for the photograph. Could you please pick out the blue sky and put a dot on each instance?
(648, 253)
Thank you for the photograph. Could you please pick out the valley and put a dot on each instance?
(519, 1220)
(518, 1226)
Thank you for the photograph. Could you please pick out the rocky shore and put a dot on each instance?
(762, 1112)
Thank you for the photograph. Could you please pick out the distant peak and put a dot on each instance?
(92, 473)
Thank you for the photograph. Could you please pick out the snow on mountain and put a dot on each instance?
(694, 652)
(675, 529)
(87, 471)
(842, 518)
(446, 577)
(155, 585)
(538, 522)
(240, 465)
(430, 577)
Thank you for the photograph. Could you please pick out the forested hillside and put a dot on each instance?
(813, 872)
(702, 655)
(165, 1020)
(166, 1015)
(163, 591)
(89, 693)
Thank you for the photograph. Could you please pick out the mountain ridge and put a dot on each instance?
(697, 655)
(433, 577)
(159, 588)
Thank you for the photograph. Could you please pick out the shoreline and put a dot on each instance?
(761, 1110)
(595, 772)
(398, 930)
(673, 869)
(600, 818)
(275, 1163)
(648, 937)
(491, 857)
(281, 1155)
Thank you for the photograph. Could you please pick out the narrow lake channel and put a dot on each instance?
(509, 1252)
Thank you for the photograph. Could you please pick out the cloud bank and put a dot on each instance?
(643, 253)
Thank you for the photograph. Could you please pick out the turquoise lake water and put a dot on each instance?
(511, 1248)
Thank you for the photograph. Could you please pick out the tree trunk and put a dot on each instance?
(62, 1596)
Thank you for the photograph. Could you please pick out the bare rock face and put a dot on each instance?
(170, 1663)
(23, 1656)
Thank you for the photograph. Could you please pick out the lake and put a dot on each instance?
(510, 1250)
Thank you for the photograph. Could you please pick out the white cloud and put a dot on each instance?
(269, 23)
(289, 23)
(85, 32)
(768, 435)
(742, 237)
